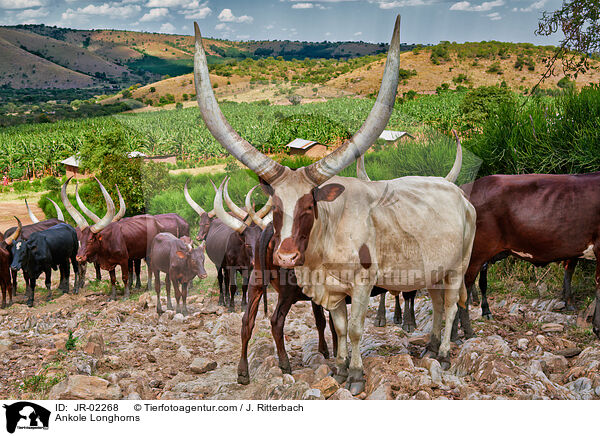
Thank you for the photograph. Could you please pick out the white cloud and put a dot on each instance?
(31, 14)
(533, 6)
(483, 7)
(494, 16)
(108, 10)
(227, 16)
(358, 34)
(269, 26)
(186, 4)
(21, 4)
(242, 36)
(302, 6)
(222, 26)
(167, 28)
(402, 3)
(155, 14)
(199, 14)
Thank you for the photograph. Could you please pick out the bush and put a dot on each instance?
(51, 183)
(494, 69)
(16, 173)
(481, 102)
(101, 142)
(21, 186)
(294, 99)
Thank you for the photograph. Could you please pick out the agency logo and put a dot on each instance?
(24, 415)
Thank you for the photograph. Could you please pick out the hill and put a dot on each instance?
(116, 58)
(424, 70)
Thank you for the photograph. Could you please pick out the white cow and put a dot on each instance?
(343, 235)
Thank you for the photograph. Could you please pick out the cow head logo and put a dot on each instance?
(26, 415)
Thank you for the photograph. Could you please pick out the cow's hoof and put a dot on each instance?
(243, 379)
(408, 327)
(49, 297)
(379, 322)
(356, 387)
(3, 306)
(444, 363)
(570, 308)
(286, 368)
(324, 352)
(30, 302)
(398, 321)
(244, 307)
(487, 316)
(597, 332)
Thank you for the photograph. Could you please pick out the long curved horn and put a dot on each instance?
(266, 208)
(197, 208)
(250, 208)
(322, 170)
(238, 211)
(264, 167)
(59, 213)
(32, 217)
(361, 172)
(229, 220)
(91, 215)
(122, 207)
(110, 211)
(77, 217)
(455, 171)
(16, 234)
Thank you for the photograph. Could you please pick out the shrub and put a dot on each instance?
(21, 186)
(16, 172)
(480, 102)
(295, 99)
(494, 69)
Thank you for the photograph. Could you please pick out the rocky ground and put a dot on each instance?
(126, 350)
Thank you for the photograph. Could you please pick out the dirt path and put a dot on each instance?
(12, 208)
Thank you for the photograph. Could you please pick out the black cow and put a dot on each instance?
(44, 251)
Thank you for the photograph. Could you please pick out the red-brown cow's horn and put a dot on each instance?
(59, 214)
(91, 215)
(77, 217)
(32, 217)
(238, 211)
(197, 208)
(361, 172)
(110, 211)
(264, 167)
(229, 220)
(455, 171)
(322, 170)
(122, 207)
(250, 208)
(16, 234)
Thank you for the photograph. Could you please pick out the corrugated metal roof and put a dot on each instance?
(301, 144)
(73, 161)
(392, 135)
(136, 154)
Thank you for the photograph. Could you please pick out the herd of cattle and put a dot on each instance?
(329, 239)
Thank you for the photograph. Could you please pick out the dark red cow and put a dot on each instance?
(5, 260)
(539, 218)
(180, 262)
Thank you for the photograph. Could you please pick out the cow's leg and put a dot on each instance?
(244, 289)
(98, 273)
(31, 293)
(483, 285)
(232, 287)
(437, 301)
(113, 284)
(451, 297)
(149, 284)
(159, 309)
(321, 324)
(284, 303)
(177, 296)
(125, 272)
(339, 315)
(380, 318)
(596, 319)
(48, 282)
(254, 294)
(3, 286)
(397, 310)
(137, 264)
(76, 274)
(360, 302)
(567, 296)
(131, 272)
(410, 324)
(184, 293)
(168, 287)
(13, 275)
(334, 338)
(221, 292)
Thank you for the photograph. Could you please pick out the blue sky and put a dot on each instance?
(424, 21)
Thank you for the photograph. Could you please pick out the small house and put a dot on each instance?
(391, 136)
(72, 165)
(308, 148)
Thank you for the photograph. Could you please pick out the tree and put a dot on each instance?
(579, 21)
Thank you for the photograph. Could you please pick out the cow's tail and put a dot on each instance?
(455, 171)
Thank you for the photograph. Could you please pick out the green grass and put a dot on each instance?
(39, 383)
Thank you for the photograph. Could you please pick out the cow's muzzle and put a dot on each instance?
(81, 258)
(288, 259)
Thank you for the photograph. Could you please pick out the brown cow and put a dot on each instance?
(180, 262)
(539, 218)
(5, 259)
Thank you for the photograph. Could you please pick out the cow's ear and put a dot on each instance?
(180, 254)
(328, 192)
(267, 189)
